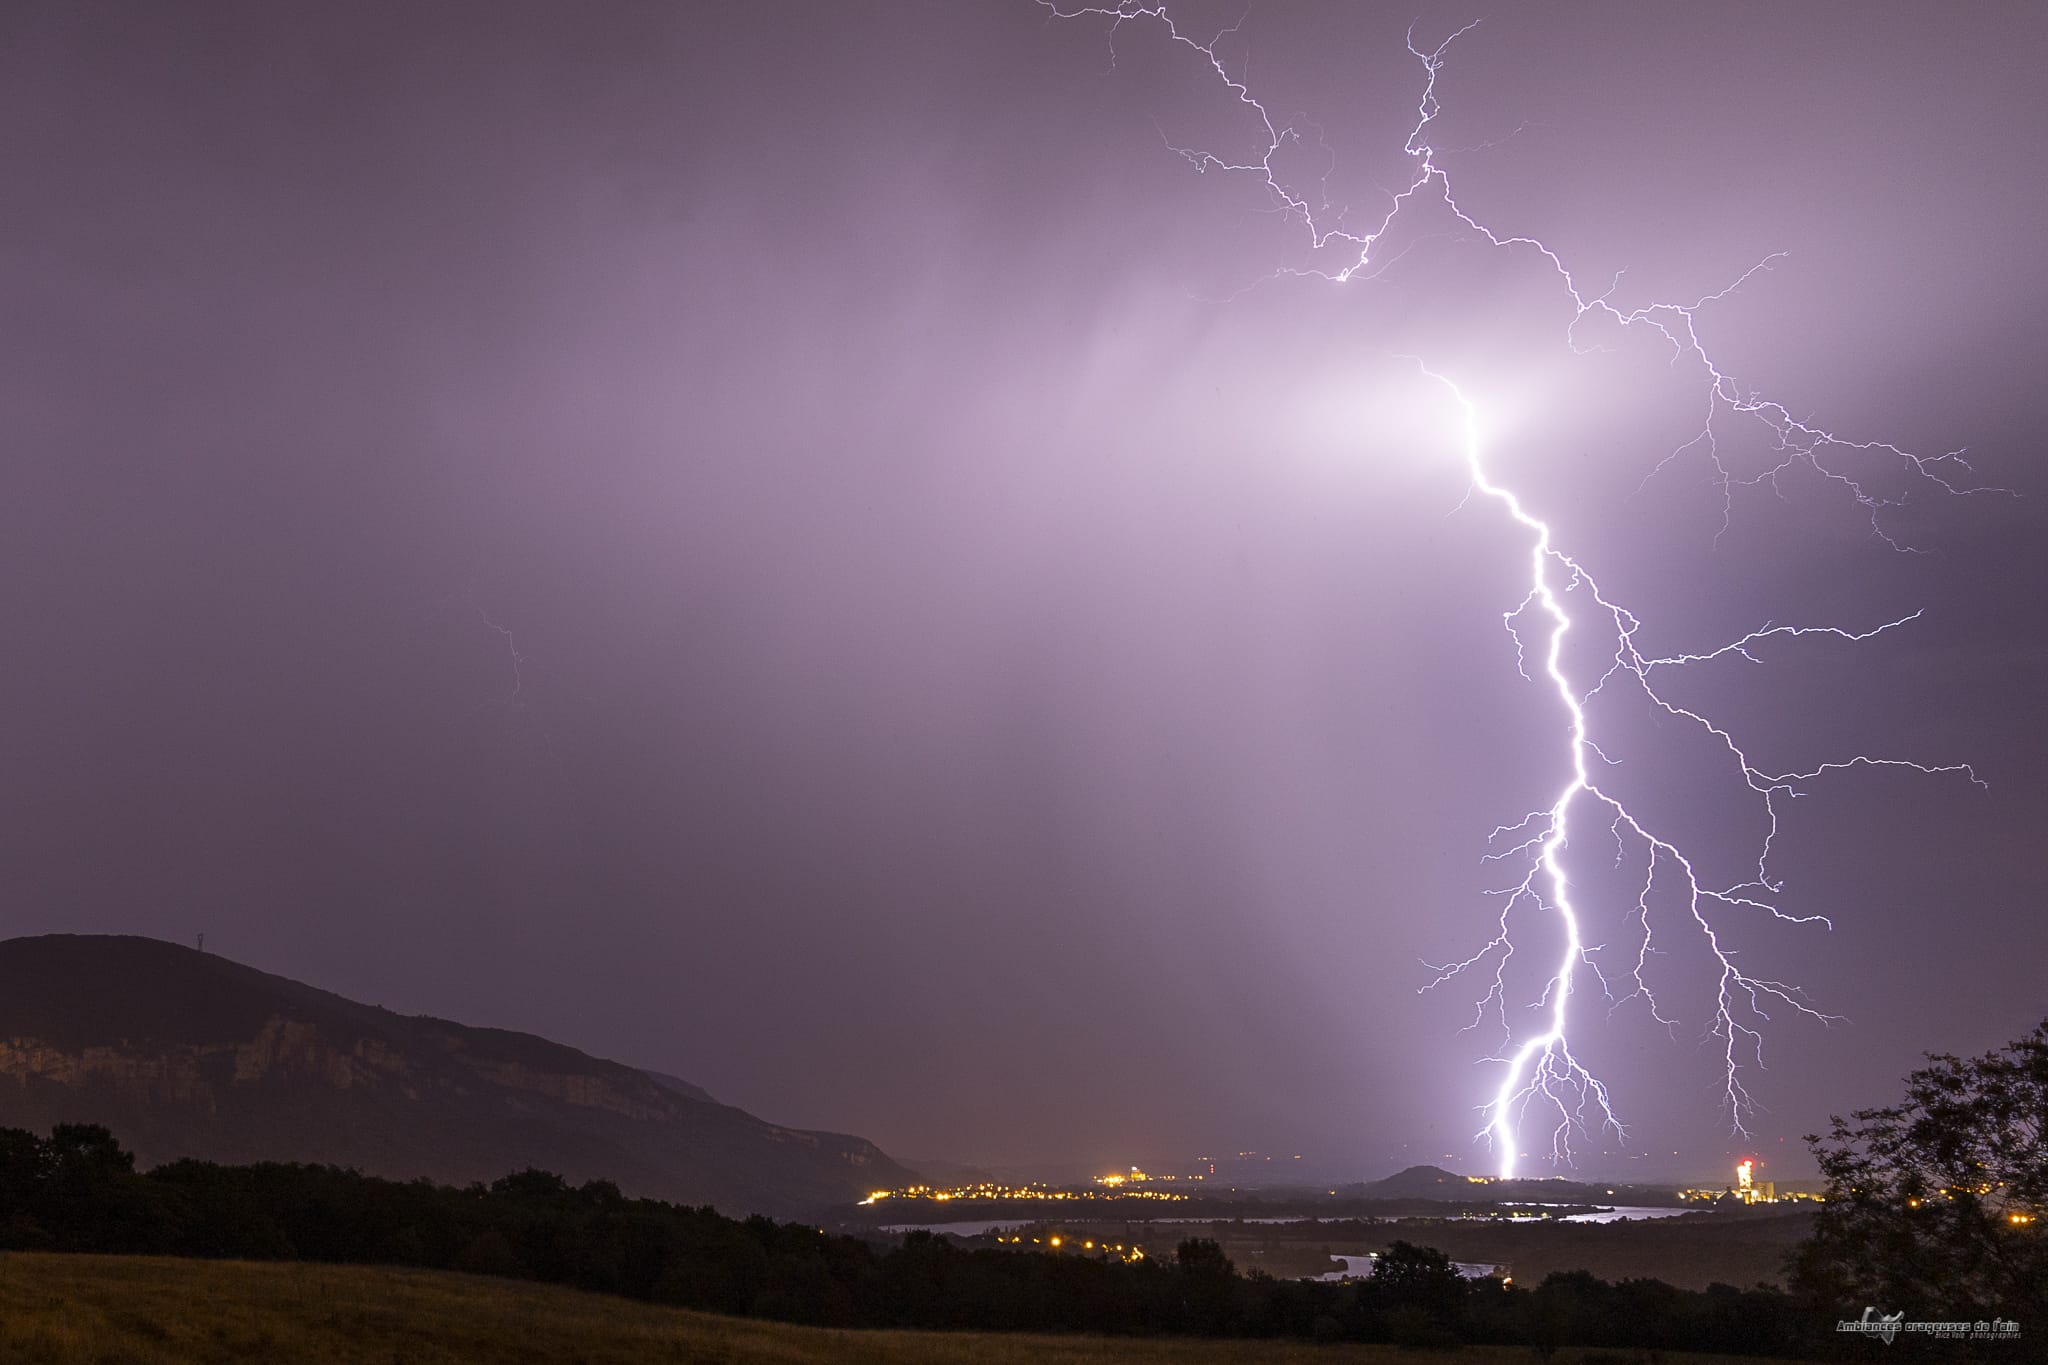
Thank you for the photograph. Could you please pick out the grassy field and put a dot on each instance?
(116, 1310)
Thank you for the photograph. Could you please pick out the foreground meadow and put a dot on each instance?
(131, 1310)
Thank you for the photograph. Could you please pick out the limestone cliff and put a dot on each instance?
(185, 1054)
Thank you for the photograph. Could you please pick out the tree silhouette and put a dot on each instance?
(1936, 1205)
(1420, 1292)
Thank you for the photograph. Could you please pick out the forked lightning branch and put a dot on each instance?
(1542, 1089)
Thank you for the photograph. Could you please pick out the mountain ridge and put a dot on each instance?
(189, 1054)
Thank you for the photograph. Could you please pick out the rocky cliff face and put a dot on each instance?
(184, 1054)
(186, 1073)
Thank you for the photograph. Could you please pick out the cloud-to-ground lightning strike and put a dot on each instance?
(1540, 1076)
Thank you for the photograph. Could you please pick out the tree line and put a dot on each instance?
(78, 1190)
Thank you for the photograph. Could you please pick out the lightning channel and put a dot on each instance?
(518, 660)
(1542, 1084)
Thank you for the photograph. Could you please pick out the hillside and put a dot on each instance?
(1421, 1182)
(82, 1310)
(1437, 1185)
(184, 1053)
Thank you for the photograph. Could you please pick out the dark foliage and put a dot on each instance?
(1938, 1205)
(77, 1190)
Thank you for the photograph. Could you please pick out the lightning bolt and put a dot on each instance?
(512, 653)
(1541, 1080)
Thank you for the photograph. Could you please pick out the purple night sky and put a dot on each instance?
(800, 546)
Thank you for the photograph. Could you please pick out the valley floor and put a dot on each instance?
(124, 1310)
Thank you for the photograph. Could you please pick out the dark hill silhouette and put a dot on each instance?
(1436, 1184)
(1421, 1182)
(184, 1053)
